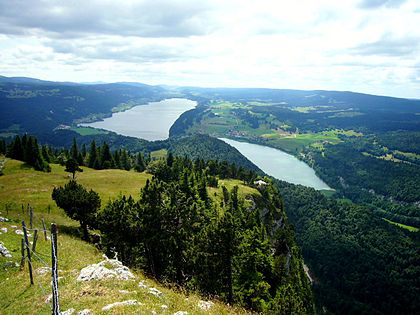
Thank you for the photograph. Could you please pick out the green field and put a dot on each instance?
(223, 122)
(403, 226)
(89, 131)
(159, 154)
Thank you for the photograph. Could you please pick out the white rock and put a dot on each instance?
(124, 291)
(4, 251)
(48, 299)
(19, 232)
(13, 226)
(205, 305)
(100, 271)
(128, 302)
(2, 219)
(86, 311)
(68, 312)
(181, 313)
(3, 229)
(155, 292)
(142, 285)
(164, 307)
(154, 312)
(43, 270)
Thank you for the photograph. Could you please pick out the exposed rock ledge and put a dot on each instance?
(106, 269)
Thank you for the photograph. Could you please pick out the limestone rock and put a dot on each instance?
(109, 268)
(205, 305)
(155, 292)
(116, 304)
(4, 251)
(70, 311)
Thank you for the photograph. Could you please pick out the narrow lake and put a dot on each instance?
(150, 122)
(279, 164)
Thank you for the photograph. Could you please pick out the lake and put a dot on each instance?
(279, 164)
(151, 121)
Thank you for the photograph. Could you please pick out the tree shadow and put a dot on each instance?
(25, 166)
(75, 231)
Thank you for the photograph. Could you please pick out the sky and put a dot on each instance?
(369, 46)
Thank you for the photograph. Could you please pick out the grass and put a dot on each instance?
(22, 185)
(407, 227)
(159, 154)
(88, 131)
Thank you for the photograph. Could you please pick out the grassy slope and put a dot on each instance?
(22, 185)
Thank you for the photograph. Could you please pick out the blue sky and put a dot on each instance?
(370, 46)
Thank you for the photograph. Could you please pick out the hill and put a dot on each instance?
(17, 190)
(39, 107)
(18, 297)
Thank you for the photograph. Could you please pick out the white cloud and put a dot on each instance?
(367, 46)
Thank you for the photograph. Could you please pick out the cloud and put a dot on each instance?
(125, 49)
(388, 46)
(374, 4)
(304, 44)
(64, 19)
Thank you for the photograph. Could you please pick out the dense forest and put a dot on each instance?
(371, 174)
(362, 264)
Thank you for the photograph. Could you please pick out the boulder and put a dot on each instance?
(109, 268)
(4, 251)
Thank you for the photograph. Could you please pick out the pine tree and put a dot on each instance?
(93, 155)
(74, 151)
(140, 164)
(15, 149)
(106, 157)
(125, 162)
(72, 167)
(2, 146)
(78, 203)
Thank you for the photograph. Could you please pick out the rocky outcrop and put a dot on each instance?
(4, 251)
(108, 268)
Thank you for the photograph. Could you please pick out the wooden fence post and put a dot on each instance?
(28, 252)
(22, 251)
(54, 270)
(31, 217)
(35, 239)
(45, 229)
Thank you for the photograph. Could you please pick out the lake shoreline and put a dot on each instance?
(304, 174)
(150, 121)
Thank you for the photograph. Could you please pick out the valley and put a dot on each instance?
(360, 151)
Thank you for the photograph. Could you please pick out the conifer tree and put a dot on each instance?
(78, 203)
(93, 155)
(106, 157)
(140, 165)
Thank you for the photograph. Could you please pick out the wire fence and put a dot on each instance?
(33, 257)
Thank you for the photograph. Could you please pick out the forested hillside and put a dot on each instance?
(38, 107)
(361, 264)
